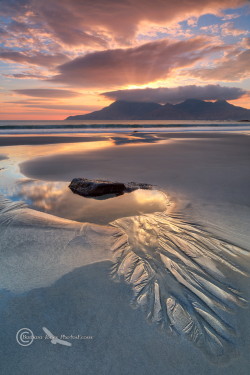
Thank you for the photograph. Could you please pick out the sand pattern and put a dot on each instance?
(175, 267)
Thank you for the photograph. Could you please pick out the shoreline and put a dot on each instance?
(43, 139)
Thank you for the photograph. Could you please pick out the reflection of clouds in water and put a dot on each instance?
(57, 199)
(43, 196)
(23, 152)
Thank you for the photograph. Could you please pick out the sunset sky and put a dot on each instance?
(67, 57)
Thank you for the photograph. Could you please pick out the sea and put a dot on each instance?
(116, 126)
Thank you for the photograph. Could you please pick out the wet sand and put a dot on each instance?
(119, 138)
(15, 140)
(208, 170)
(208, 178)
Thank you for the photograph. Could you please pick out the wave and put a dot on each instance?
(117, 125)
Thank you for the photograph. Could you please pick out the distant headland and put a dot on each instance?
(190, 109)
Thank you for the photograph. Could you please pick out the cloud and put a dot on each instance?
(228, 29)
(246, 42)
(225, 29)
(61, 107)
(39, 59)
(211, 29)
(91, 22)
(18, 27)
(192, 21)
(25, 76)
(230, 16)
(231, 68)
(47, 93)
(16, 6)
(175, 95)
(139, 65)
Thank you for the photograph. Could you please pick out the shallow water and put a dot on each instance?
(57, 199)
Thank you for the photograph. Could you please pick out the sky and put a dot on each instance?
(69, 57)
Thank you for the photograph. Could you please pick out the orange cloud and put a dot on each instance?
(138, 65)
(231, 68)
(91, 22)
(40, 59)
(47, 93)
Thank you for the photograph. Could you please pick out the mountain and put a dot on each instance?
(190, 109)
(120, 110)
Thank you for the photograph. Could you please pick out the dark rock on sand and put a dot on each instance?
(98, 188)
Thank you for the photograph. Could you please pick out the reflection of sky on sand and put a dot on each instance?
(24, 152)
(10, 172)
(57, 199)
(13, 154)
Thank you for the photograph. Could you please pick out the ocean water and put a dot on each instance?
(107, 126)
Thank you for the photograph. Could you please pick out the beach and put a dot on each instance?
(125, 187)
(205, 177)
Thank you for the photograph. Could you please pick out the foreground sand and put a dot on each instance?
(208, 177)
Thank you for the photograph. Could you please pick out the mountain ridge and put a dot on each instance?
(190, 109)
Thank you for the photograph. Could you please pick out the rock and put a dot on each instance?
(98, 188)
(131, 186)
